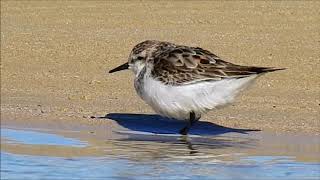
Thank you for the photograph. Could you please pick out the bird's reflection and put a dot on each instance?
(179, 145)
(186, 140)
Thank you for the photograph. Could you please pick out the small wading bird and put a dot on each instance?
(184, 82)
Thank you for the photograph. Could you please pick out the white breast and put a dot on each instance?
(178, 101)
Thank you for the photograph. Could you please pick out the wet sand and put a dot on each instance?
(147, 146)
(55, 58)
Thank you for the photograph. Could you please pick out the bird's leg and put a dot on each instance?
(190, 122)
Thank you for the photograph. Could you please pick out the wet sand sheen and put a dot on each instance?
(145, 146)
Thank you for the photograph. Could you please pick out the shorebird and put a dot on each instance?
(183, 82)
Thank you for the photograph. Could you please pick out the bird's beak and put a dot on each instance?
(120, 68)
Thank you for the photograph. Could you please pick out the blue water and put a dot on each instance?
(138, 159)
(39, 167)
(37, 138)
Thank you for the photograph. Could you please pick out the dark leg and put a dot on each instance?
(190, 122)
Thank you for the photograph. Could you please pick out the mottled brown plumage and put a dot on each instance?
(178, 65)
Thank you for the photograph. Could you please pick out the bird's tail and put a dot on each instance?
(260, 70)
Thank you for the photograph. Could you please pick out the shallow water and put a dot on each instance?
(43, 154)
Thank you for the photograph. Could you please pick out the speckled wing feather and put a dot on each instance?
(181, 65)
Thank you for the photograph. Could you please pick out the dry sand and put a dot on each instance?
(55, 57)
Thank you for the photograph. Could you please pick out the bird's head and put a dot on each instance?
(138, 57)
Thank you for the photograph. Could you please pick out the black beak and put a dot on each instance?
(120, 68)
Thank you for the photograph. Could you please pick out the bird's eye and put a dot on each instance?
(139, 57)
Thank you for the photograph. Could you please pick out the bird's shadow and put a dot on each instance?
(151, 123)
(161, 127)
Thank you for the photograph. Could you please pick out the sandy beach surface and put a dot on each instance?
(55, 57)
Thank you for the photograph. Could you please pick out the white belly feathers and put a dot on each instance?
(178, 101)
